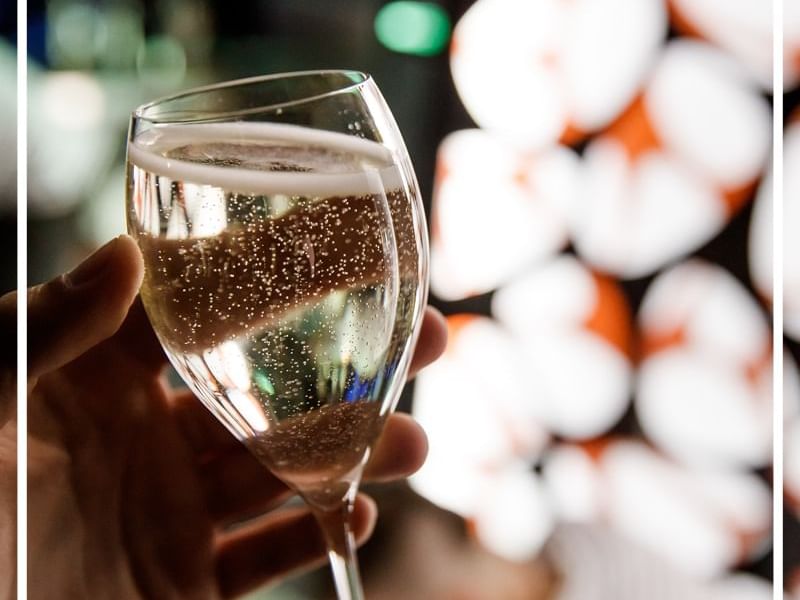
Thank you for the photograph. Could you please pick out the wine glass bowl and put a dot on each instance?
(285, 260)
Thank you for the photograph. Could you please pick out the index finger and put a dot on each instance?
(432, 340)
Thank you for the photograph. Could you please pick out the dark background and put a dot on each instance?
(8, 197)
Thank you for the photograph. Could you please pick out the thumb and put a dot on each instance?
(74, 312)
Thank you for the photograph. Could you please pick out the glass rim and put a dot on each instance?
(361, 79)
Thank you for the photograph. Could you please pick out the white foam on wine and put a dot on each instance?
(374, 172)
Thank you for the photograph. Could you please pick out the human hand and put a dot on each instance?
(132, 484)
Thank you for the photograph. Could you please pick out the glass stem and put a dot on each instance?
(336, 525)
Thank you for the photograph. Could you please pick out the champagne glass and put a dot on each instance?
(285, 256)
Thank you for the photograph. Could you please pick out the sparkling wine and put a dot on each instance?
(282, 278)
(316, 451)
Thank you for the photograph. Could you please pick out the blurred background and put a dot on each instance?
(8, 145)
(596, 176)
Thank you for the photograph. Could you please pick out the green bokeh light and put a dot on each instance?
(420, 28)
(71, 35)
(119, 36)
(161, 61)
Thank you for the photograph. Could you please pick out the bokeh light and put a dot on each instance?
(704, 392)
(496, 210)
(119, 35)
(741, 27)
(71, 34)
(69, 142)
(791, 225)
(791, 44)
(161, 62)
(537, 72)
(8, 129)
(662, 143)
(566, 319)
(687, 156)
(421, 28)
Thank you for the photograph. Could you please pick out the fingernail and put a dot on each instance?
(94, 266)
